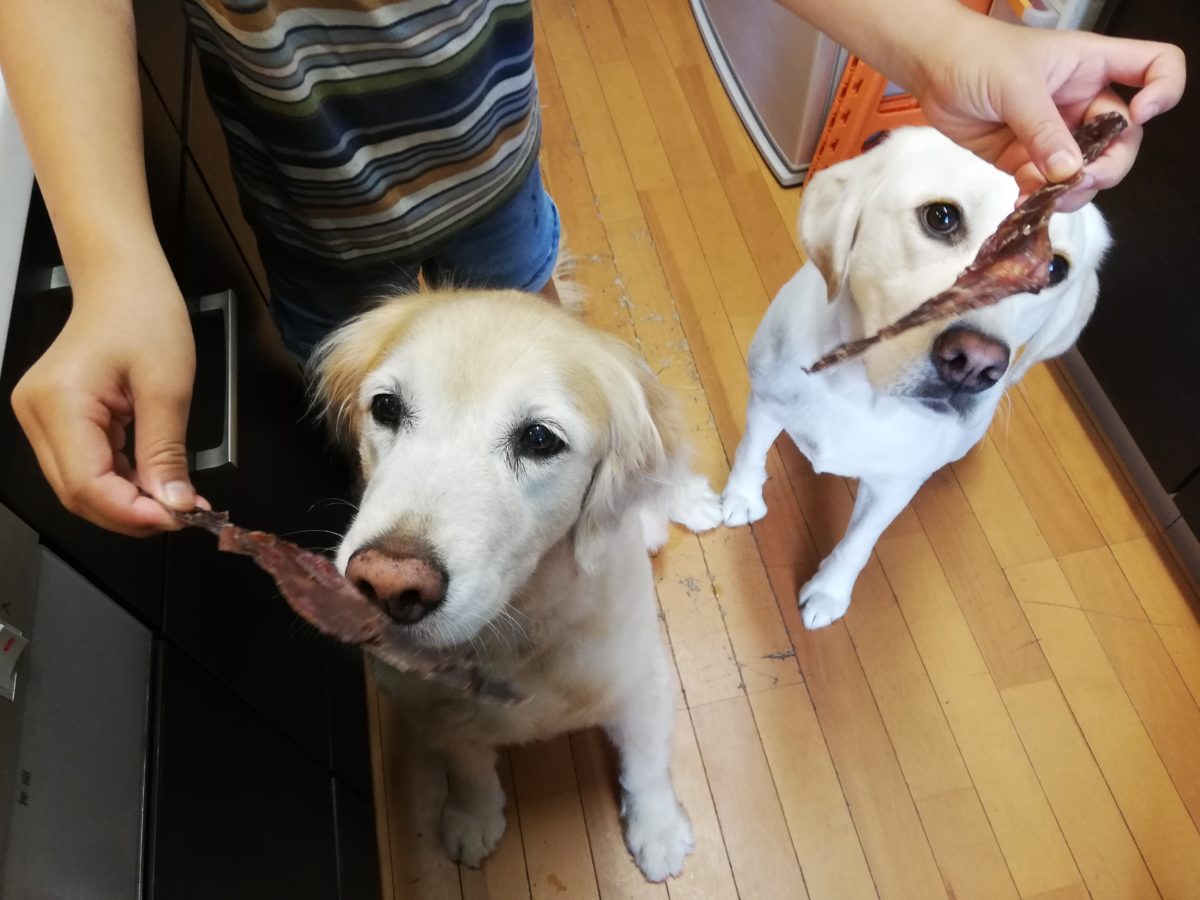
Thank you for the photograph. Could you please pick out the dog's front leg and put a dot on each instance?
(826, 597)
(473, 817)
(742, 501)
(657, 830)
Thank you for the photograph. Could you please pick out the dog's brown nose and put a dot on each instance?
(968, 360)
(406, 587)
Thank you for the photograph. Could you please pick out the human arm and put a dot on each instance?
(70, 68)
(1011, 94)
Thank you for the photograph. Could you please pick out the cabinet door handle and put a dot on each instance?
(224, 453)
(225, 302)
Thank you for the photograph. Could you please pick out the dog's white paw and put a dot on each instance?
(820, 607)
(741, 506)
(696, 506)
(655, 528)
(471, 834)
(658, 834)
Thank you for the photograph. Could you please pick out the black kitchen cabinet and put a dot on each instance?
(259, 780)
(286, 479)
(239, 811)
(1141, 344)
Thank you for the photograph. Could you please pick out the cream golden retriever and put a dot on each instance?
(885, 231)
(516, 463)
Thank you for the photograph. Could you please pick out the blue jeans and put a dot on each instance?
(514, 247)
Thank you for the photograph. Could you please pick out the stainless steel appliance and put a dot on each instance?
(73, 735)
(780, 73)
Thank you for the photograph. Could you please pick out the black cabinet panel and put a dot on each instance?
(349, 750)
(164, 154)
(1141, 344)
(1188, 501)
(221, 608)
(239, 811)
(162, 46)
(206, 141)
(358, 856)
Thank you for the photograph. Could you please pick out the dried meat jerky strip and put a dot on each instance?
(1013, 260)
(318, 593)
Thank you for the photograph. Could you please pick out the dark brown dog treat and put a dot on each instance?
(320, 595)
(1013, 260)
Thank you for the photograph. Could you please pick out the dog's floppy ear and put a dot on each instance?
(1072, 311)
(644, 449)
(830, 208)
(342, 361)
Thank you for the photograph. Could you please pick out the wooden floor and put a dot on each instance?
(1010, 706)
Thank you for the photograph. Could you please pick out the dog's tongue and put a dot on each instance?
(319, 593)
(1013, 260)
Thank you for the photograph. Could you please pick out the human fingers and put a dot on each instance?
(159, 445)
(1158, 70)
(83, 467)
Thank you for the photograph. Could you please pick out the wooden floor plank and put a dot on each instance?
(1109, 497)
(823, 834)
(752, 823)
(706, 875)
(893, 839)
(1131, 765)
(616, 194)
(1011, 530)
(596, 768)
(756, 631)
(1103, 848)
(1169, 601)
(558, 855)
(1143, 665)
(503, 875)
(729, 259)
(703, 653)
(415, 787)
(978, 582)
(1013, 798)
(959, 833)
(1044, 484)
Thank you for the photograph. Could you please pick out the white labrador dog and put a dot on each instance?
(885, 231)
(515, 461)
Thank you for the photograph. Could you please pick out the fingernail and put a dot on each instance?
(1061, 165)
(177, 493)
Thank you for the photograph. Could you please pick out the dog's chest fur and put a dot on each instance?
(580, 643)
(837, 419)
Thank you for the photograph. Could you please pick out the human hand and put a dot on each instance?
(1015, 97)
(126, 351)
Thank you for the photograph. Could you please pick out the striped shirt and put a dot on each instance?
(363, 132)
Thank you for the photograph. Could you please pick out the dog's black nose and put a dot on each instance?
(407, 585)
(968, 360)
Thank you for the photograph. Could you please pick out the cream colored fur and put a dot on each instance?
(549, 580)
(881, 418)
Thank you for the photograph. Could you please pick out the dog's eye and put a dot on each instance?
(537, 440)
(1059, 267)
(941, 219)
(387, 410)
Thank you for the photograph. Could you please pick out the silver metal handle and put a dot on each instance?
(224, 453)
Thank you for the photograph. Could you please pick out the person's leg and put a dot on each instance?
(515, 247)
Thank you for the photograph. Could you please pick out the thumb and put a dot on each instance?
(1039, 127)
(159, 428)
